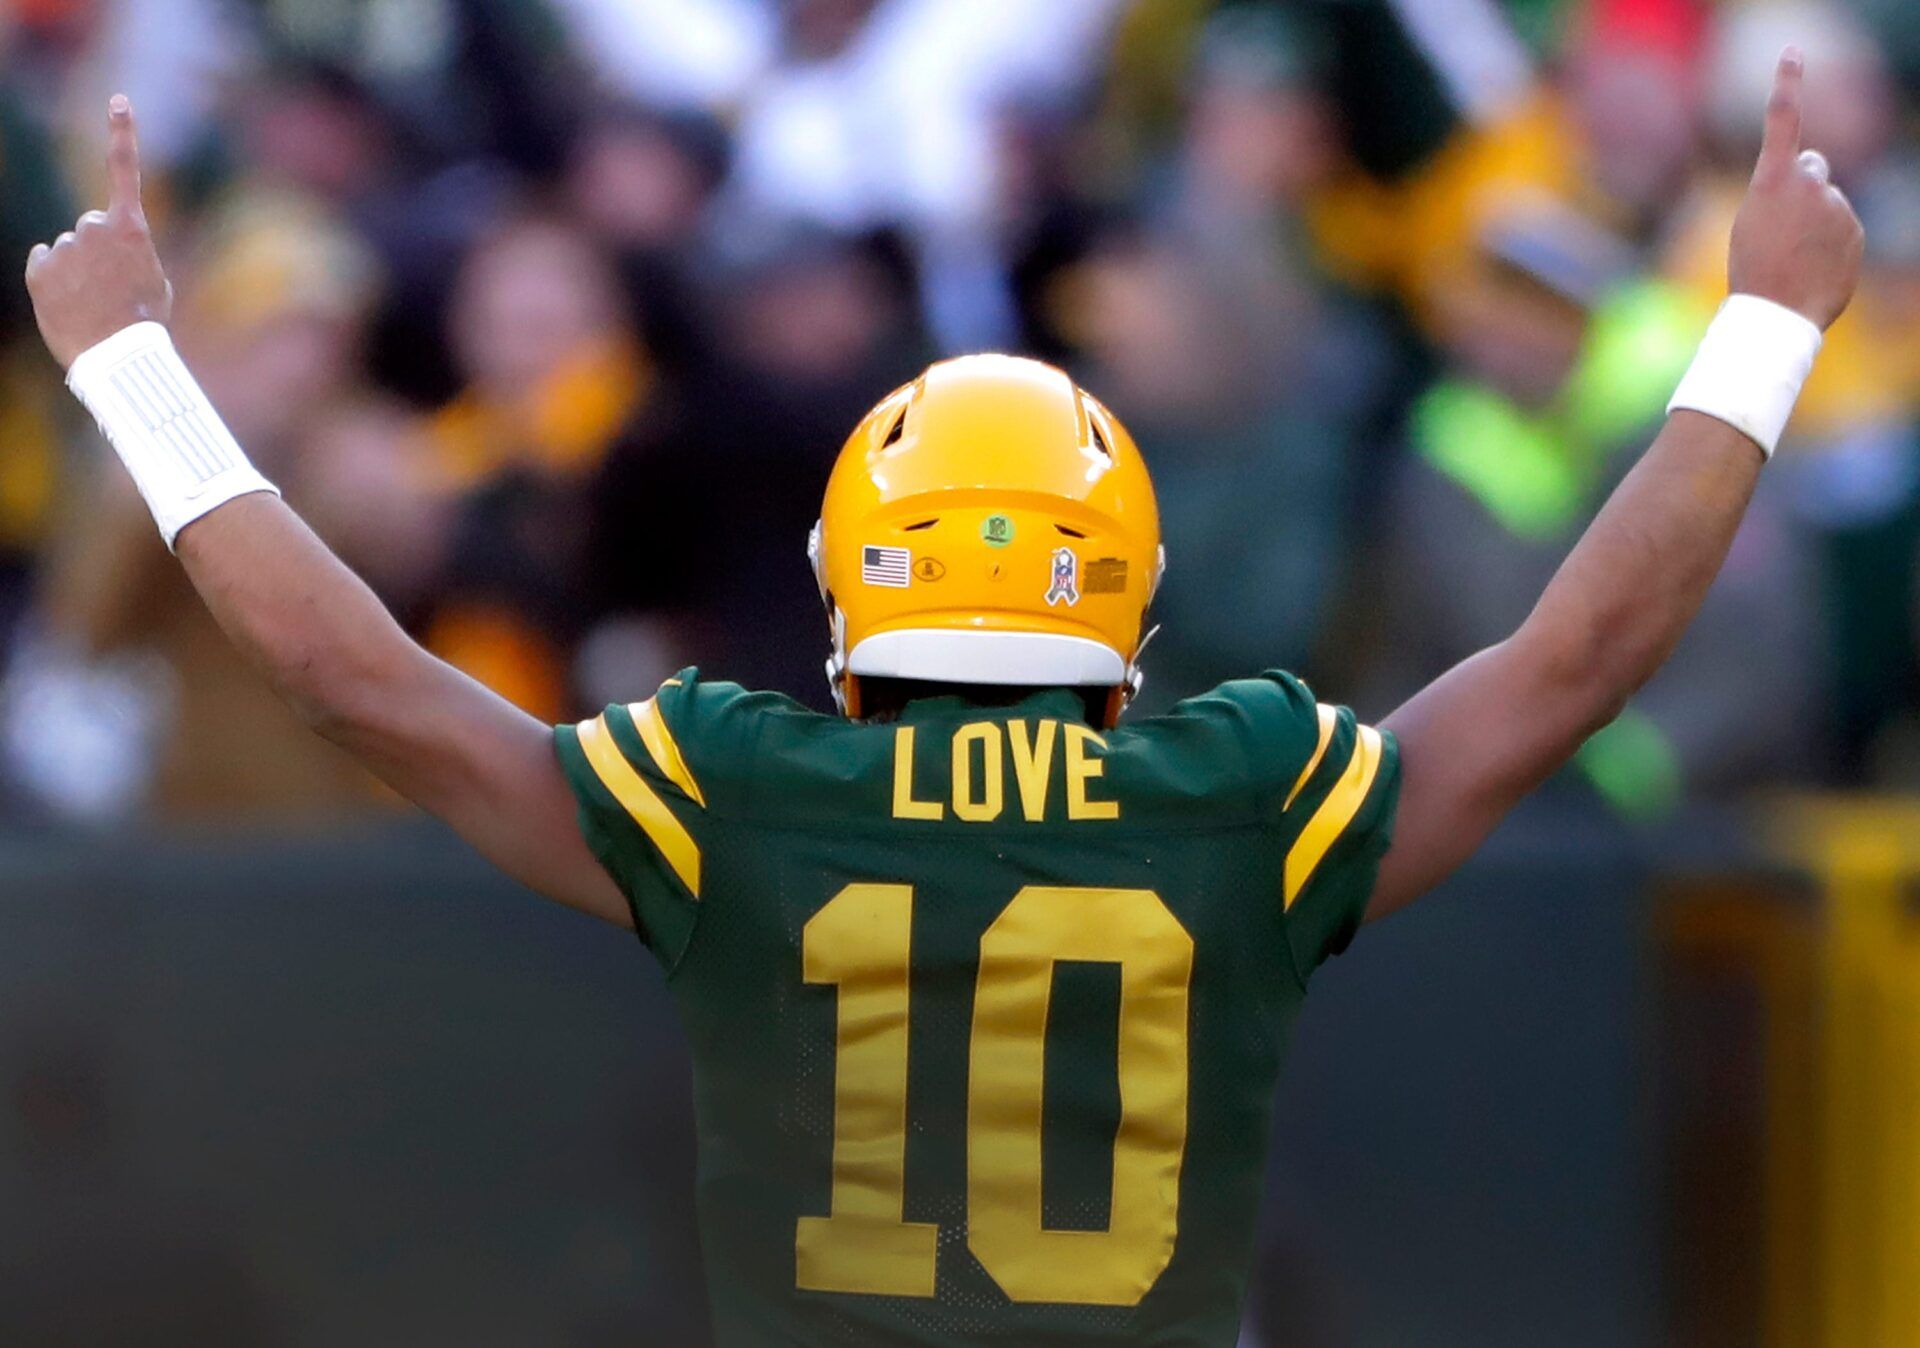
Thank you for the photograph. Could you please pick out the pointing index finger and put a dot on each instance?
(1780, 146)
(123, 160)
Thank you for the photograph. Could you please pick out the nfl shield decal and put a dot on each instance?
(1065, 587)
(885, 566)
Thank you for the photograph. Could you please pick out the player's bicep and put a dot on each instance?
(1473, 743)
(466, 755)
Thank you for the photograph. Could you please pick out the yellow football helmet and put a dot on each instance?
(990, 523)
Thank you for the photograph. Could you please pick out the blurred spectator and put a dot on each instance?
(34, 416)
(314, 130)
(553, 373)
(1250, 477)
(1635, 107)
(703, 512)
(677, 53)
(882, 113)
(642, 183)
(1244, 374)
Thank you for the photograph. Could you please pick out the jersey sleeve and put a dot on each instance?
(642, 807)
(1330, 787)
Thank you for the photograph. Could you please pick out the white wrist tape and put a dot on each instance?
(181, 455)
(1750, 367)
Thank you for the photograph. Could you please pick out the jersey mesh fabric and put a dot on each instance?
(1220, 803)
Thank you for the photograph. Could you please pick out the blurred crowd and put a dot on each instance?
(550, 316)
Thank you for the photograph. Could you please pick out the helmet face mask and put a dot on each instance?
(989, 524)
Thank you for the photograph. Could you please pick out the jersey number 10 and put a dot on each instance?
(860, 942)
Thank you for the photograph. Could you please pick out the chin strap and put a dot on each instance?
(837, 657)
(1136, 676)
(836, 623)
(1124, 695)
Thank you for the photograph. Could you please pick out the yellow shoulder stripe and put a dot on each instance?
(660, 743)
(1329, 717)
(641, 801)
(1335, 813)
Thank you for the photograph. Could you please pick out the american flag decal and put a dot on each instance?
(885, 566)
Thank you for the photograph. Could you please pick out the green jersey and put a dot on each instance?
(986, 1008)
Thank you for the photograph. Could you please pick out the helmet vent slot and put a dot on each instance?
(1099, 438)
(899, 429)
(923, 524)
(1070, 533)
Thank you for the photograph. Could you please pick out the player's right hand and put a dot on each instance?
(103, 274)
(1796, 241)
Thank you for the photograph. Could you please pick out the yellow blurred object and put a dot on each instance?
(1863, 1242)
(30, 467)
(565, 427)
(1152, 56)
(990, 523)
(504, 652)
(273, 254)
(1414, 235)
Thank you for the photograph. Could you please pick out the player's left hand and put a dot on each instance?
(1796, 240)
(103, 274)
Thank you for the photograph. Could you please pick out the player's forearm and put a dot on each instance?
(437, 737)
(1630, 587)
(303, 619)
(1493, 728)
(328, 646)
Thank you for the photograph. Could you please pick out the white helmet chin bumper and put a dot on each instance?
(1032, 659)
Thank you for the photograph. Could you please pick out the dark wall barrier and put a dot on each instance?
(353, 1090)
(1465, 1144)
(359, 1090)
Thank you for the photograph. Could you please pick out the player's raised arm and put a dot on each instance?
(310, 625)
(1493, 728)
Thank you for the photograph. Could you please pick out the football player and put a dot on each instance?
(987, 988)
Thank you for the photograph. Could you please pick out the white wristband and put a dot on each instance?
(1750, 367)
(181, 455)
